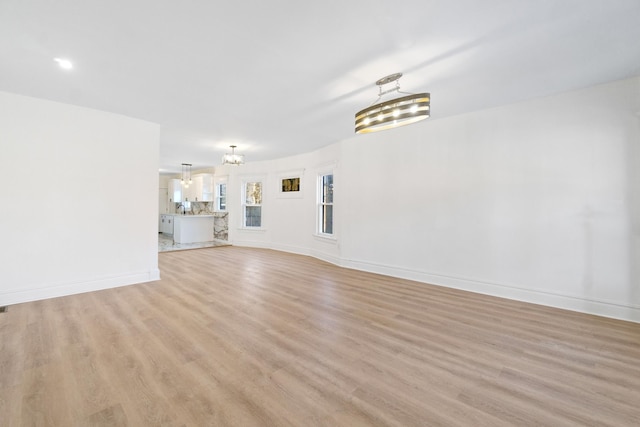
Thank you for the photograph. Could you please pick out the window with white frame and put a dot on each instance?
(325, 204)
(252, 204)
(221, 195)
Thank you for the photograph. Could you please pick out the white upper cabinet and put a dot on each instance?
(200, 190)
(189, 192)
(207, 187)
(175, 191)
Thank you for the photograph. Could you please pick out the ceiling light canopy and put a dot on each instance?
(396, 112)
(65, 64)
(233, 158)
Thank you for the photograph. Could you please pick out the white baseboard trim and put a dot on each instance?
(332, 259)
(323, 256)
(270, 245)
(580, 304)
(290, 248)
(568, 302)
(251, 244)
(54, 290)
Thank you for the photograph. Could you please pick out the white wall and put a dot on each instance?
(529, 201)
(288, 219)
(80, 199)
(536, 201)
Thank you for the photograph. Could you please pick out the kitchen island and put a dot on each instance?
(193, 228)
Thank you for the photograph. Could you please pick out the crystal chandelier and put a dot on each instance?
(233, 158)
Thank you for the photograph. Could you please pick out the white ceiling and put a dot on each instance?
(285, 77)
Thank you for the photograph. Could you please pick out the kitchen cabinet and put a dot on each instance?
(163, 220)
(175, 192)
(200, 190)
(207, 187)
(193, 228)
(190, 193)
(166, 224)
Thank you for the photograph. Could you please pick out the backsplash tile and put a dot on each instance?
(194, 208)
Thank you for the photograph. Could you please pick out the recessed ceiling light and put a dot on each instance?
(64, 63)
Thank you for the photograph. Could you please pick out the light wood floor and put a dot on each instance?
(247, 337)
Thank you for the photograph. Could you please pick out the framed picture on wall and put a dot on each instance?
(290, 184)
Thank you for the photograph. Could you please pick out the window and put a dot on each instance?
(325, 204)
(221, 196)
(220, 193)
(252, 204)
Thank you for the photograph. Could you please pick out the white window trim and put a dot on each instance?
(326, 237)
(318, 233)
(262, 179)
(217, 181)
